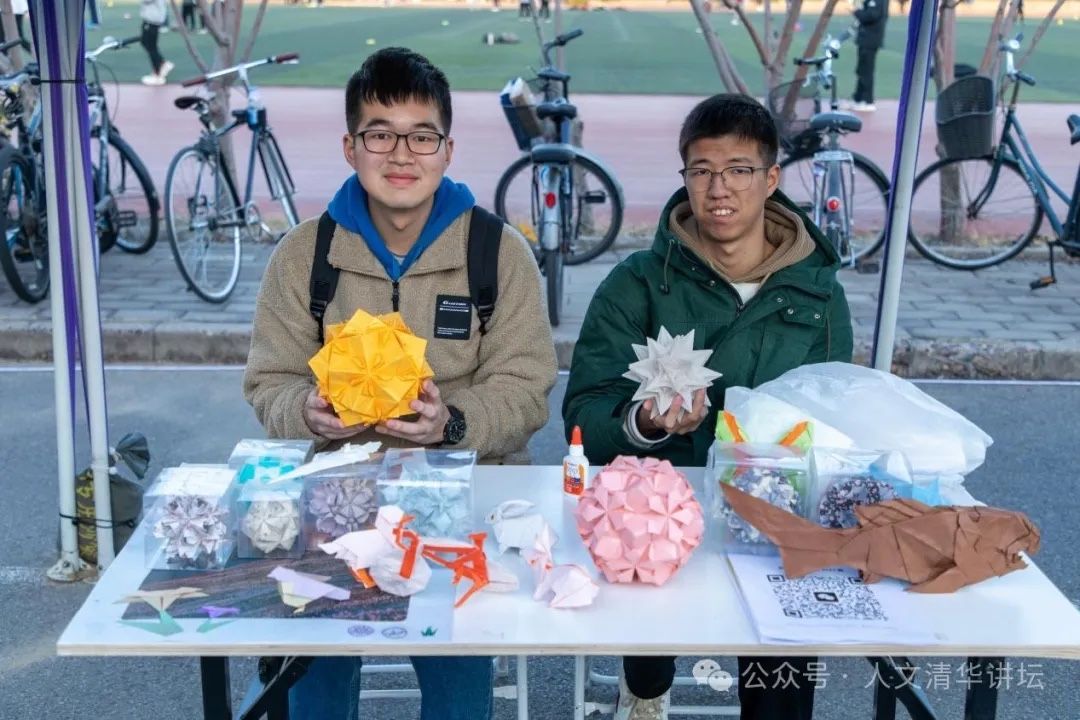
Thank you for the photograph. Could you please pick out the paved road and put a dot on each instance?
(196, 415)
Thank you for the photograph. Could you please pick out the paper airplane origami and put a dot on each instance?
(297, 589)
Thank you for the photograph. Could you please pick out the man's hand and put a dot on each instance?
(671, 422)
(320, 417)
(428, 428)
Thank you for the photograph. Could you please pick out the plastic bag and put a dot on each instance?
(873, 409)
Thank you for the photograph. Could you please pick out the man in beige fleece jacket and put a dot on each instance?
(400, 244)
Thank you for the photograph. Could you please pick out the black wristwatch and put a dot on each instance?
(454, 430)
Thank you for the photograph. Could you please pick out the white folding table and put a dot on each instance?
(698, 613)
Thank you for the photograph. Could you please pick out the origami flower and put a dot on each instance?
(440, 505)
(639, 520)
(272, 524)
(342, 505)
(669, 367)
(194, 530)
(371, 368)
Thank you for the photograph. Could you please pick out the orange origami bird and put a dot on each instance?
(937, 549)
(371, 368)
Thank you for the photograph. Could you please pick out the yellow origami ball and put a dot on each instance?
(371, 368)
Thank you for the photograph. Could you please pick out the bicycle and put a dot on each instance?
(126, 215)
(23, 213)
(975, 212)
(204, 214)
(845, 193)
(559, 195)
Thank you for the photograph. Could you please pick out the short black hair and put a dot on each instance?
(396, 75)
(731, 114)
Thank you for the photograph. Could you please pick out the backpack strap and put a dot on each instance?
(485, 234)
(324, 276)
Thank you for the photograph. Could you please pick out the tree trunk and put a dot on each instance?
(729, 76)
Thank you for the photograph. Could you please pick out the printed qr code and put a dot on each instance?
(825, 597)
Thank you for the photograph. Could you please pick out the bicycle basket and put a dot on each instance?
(519, 105)
(965, 117)
(792, 105)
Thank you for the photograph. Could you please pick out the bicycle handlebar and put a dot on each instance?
(832, 49)
(283, 58)
(559, 41)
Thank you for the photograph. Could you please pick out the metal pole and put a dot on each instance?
(558, 31)
(904, 176)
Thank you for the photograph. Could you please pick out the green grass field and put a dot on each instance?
(621, 52)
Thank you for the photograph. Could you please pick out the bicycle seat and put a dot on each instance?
(556, 110)
(842, 121)
(1074, 128)
(548, 153)
(553, 74)
(187, 101)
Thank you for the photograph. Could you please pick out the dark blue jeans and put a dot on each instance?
(452, 688)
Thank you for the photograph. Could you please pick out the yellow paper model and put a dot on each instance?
(370, 368)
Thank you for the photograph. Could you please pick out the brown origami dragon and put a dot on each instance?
(937, 549)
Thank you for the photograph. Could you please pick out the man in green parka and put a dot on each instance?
(738, 263)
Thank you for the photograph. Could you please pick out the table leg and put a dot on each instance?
(895, 675)
(981, 700)
(217, 691)
(273, 701)
(579, 687)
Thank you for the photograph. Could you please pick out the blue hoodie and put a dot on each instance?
(349, 209)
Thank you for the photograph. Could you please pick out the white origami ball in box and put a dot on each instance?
(639, 520)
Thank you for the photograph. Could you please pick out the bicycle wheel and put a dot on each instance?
(597, 211)
(966, 215)
(203, 220)
(132, 213)
(552, 265)
(25, 255)
(869, 201)
(278, 179)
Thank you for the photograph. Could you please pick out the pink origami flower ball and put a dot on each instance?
(639, 520)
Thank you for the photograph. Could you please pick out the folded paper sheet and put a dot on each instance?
(937, 549)
(639, 520)
(371, 368)
(669, 367)
(516, 524)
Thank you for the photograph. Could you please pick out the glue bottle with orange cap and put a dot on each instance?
(575, 466)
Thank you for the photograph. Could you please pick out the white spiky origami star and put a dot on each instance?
(670, 367)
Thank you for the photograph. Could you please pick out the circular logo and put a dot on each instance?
(395, 632)
(703, 669)
(361, 630)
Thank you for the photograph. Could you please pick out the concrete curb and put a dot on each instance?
(227, 344)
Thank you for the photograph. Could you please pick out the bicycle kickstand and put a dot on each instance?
(1046, 280)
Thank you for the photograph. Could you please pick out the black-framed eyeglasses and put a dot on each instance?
(419, 142)
(736, 178)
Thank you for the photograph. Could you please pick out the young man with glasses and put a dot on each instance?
(400, 244)
(737, 263)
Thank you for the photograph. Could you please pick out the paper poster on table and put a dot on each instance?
(316, 597)
(828, 606)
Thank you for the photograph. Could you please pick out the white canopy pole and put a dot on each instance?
(903, 178)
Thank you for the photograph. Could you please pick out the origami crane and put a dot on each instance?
(669, 367)
(371, 368)
(639, 520)
(937, 549)
(297, 589)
